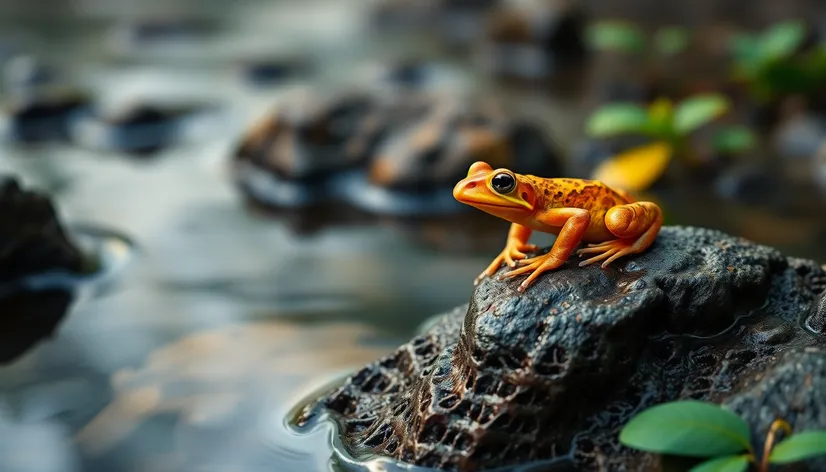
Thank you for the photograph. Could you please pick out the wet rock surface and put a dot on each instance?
(32, 241)
(557, 371)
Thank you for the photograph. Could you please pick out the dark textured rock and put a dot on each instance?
(817, 321)
(32, 242)
(555, 372)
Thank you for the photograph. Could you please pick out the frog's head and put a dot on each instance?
(500, 192)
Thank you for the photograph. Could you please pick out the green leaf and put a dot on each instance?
(617, 118)
(671, 40)
(723, 464)
(782, 39)
(615, 36)
(687, 428)
(694, 112)
(745, 47)
(800, 446)
(661, 118)
(734, 139)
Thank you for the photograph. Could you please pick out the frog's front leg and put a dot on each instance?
(574, 223)
(515, 249)
(636, 226)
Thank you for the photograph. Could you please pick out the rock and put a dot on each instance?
(32, 239)
(137, 128)
(32, 242)
(270, 70)
(533, 44)
(43, 116)
(291, 157)
(413, 74)
(516, 378)
(789, 387)
(817, 320)
(414, 169)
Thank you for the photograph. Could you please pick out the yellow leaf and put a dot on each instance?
(635, 169)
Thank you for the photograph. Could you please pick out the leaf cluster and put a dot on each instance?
(773, 64)
(665, 121)
(701, 429)
(625, 37)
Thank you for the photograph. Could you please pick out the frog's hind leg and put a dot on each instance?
(635, 225)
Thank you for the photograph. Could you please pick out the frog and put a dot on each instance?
(609, 220)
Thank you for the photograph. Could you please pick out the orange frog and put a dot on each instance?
(575, 210)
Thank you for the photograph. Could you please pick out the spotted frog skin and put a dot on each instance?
(575, 210)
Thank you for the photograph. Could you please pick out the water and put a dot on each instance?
(214, 320)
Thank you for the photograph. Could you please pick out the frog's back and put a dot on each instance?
(591, 195)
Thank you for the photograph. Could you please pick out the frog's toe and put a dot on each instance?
(604, 255)
(598, 247)
(522, 270)
(620, 253)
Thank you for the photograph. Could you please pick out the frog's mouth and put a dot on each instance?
(477, 194)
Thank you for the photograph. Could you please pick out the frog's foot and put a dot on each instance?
(609, 251)
(536, 266)
(512, 253)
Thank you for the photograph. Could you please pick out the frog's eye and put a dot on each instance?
(503, 183)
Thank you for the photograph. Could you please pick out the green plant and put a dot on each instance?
(664, 122)
(622, 36)
(706, 430)
(772, 64)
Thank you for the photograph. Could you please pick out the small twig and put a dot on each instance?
(770, 439)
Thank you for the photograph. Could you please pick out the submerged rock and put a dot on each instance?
(32, 242)
(557, 371)
(44, 115)
(137, 128)
(290, 158)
